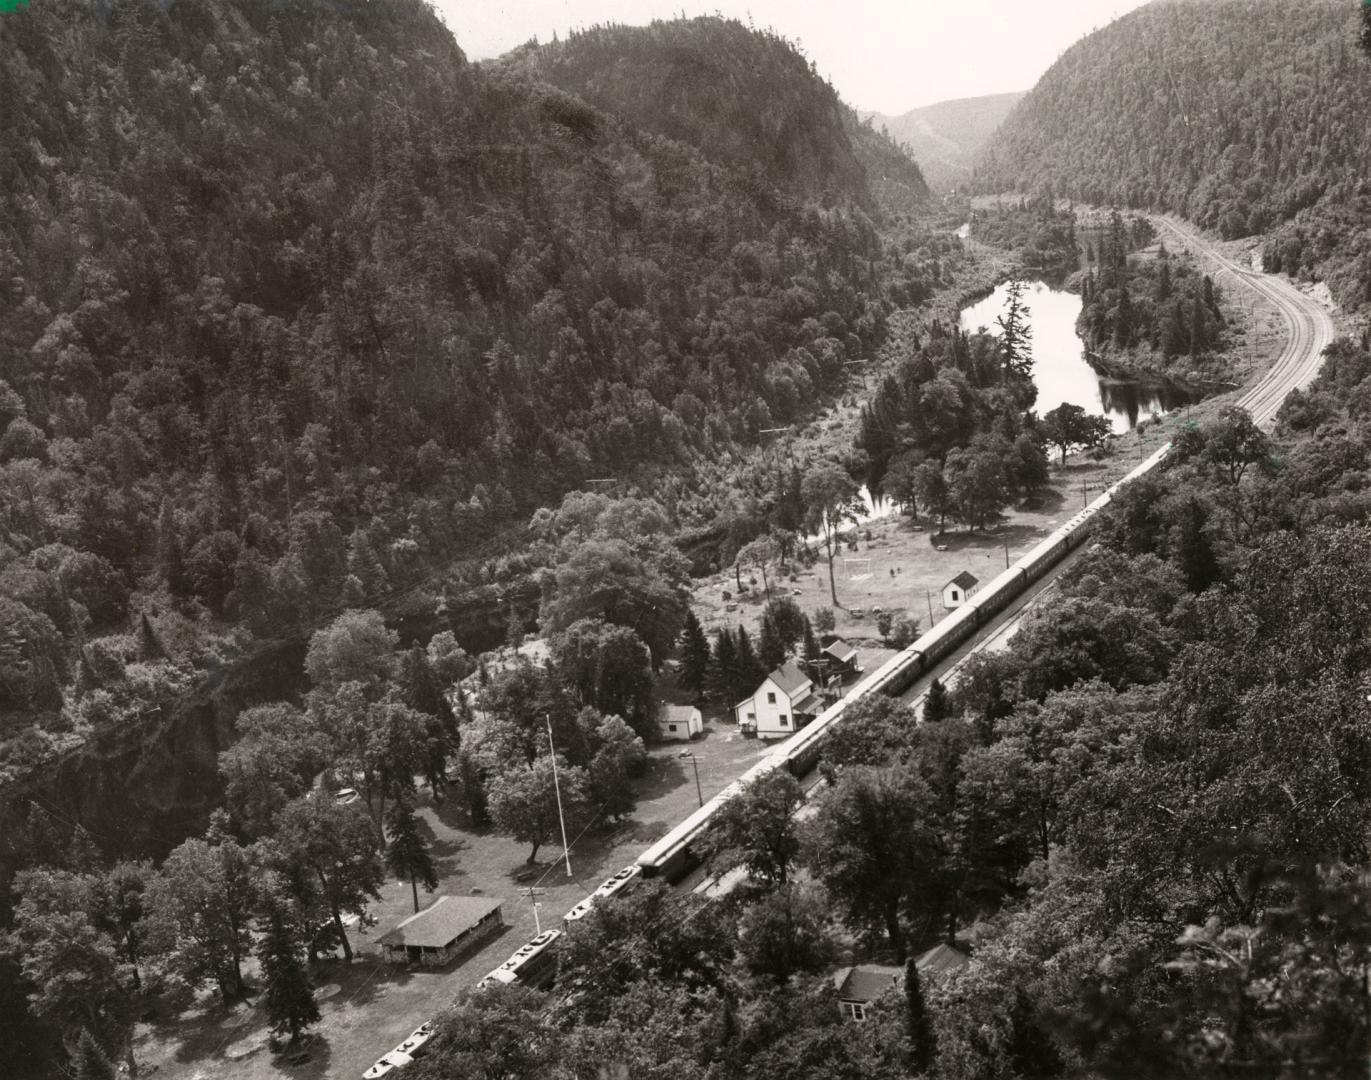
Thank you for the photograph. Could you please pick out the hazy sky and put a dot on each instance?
(885, 55)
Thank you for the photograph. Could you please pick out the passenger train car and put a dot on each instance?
(672, 856)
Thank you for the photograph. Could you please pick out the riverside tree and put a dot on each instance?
(1068, 426)
(1016, 332)
(830, 497)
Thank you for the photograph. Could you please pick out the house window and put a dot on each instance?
(752, 716)
(856, 1010)
(785, 720)
(671, 727)
(771, 699)
(956, 596)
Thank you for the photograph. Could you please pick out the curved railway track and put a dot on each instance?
(1004, 602)
(1309, 330)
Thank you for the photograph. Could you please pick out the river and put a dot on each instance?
(1060, 369)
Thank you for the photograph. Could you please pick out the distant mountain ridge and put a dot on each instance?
(946, 137)
(743, 98)
(1246, 116)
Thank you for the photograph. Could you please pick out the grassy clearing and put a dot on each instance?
(369, 1007)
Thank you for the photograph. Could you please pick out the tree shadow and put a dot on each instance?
(989, 540)
(663, 774)
(307, 1062)
(442, 849)
(1047, 498)
(452, 812)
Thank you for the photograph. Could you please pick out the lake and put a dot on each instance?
(1059, 366)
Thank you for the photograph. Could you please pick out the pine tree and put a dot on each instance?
(408, 855)
(747, 669)
(923, 1047)
(1164, 281)
(149, 644)
(771, 650)
(723, 662)
(694, 655)
(1124, 318)
(89, 1061)
(1016, 333)
(170, 562)
(1194, 551)
(812, 652)
(289, 998)
(1031, 1051)
(935, 704)
(82, 854)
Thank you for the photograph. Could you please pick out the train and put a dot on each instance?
(533, 964)
(674, 855)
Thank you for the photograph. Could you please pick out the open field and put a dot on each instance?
(371, 1006)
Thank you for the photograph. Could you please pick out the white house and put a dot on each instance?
(957, 591)
(784, 703)
(681, 722)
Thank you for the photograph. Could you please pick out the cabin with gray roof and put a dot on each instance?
(861, 985)
(842, 658)
(447, 928)
(679, 722)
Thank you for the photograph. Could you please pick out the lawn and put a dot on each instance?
(370, 1006)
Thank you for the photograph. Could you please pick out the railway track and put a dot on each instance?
(940, 653)
(1309, 330)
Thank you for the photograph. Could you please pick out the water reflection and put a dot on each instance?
(1059, 366)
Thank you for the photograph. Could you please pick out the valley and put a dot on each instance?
(432, 483)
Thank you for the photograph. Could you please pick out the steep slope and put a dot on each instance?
(301, 311)
(304, 312)
(1244, 116)
(946, 138)
(744, 99)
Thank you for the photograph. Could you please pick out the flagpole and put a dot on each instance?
(557, 786)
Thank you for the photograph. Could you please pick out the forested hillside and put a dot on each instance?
(742, 98)
(300, 307)
(1244, 116)
(1146, 819)
(946, 138)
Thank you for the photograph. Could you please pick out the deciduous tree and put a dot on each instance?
(328, 853)
(524, 802)
(757, 828)
(830, 497)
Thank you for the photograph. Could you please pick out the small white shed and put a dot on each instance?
(957, 591)
(681, 722)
